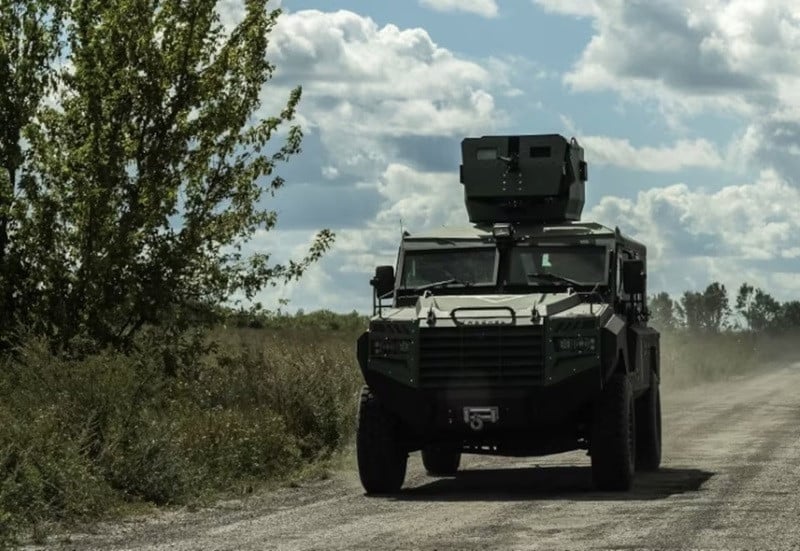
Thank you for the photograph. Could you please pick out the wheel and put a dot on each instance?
(441, 460)
(613, 441)
(381, 459)
(648, 428)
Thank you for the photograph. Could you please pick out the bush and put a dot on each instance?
(174, 418)
(45, 476)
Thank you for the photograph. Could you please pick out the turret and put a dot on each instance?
(523, 179)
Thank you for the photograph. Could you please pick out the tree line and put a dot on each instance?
(711, 310)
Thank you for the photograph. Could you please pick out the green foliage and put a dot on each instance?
(789, 317)
(709, 311)
(147, 171)
(320, 320)
(167, 422)
(663, 311)
(28, 47)
(759, 309)
(705, 311)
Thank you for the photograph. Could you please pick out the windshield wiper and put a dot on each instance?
(554, 278)
(443, 283)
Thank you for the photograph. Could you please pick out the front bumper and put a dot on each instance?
(433, 414)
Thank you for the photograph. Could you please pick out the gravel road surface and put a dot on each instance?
(730, 480)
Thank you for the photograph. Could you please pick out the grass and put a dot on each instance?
(691, 358)
(170, 423)
(210, 415)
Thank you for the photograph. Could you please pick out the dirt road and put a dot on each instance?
(731, 479)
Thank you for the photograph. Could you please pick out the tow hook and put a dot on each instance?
(477, 417)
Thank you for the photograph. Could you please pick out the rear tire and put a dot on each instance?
(441, 460)
(613, 443)
(648, 428)
(381, 458)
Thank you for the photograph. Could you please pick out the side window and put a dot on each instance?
(622, 255)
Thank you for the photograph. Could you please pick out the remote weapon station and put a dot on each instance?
(523, 334)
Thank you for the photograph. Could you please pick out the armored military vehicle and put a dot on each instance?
(523, 334)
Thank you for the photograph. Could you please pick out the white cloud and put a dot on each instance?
(788, 281)
(735, 58)
(231, 12)
(420, 200)
(721, 231)
(365, 84)
(687, 54)
(412, 200)
(579, 8)
(669, 158)
(486, 8)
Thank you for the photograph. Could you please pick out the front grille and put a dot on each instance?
(470, 356)
(391, 327)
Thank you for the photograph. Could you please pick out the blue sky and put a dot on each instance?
(688, 111)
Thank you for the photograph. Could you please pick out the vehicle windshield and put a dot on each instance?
(584, 265)
(449, 267)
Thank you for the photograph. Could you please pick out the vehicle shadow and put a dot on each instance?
(546, 483)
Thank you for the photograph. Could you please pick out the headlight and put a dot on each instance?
(578, 345)
(385, 346)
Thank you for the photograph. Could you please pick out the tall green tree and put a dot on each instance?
(663, 312)
(29, 46)
(151, 168)
(790, 315)
(707, 310)
(758, 308)
(716, 305)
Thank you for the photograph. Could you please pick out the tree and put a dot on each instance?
(149, 172)
(663, 311)
(29, 44)
(716, 306)
(690, 310)
(789, 317)
(705, 311)
(759, 309)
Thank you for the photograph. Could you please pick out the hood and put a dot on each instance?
(495, 309)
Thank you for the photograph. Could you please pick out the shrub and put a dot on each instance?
(173, 418)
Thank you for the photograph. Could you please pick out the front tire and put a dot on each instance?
(381, 458)
(613, 443)
(648, 425)
(441, 460)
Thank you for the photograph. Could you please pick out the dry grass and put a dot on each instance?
(688, 358)
(169, 423)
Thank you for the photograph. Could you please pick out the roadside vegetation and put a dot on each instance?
(219, 412)
(706, 336)
(258, 399)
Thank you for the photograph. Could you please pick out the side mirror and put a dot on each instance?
(383, 280)
(634, 277)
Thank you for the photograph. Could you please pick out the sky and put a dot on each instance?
(688, 110)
